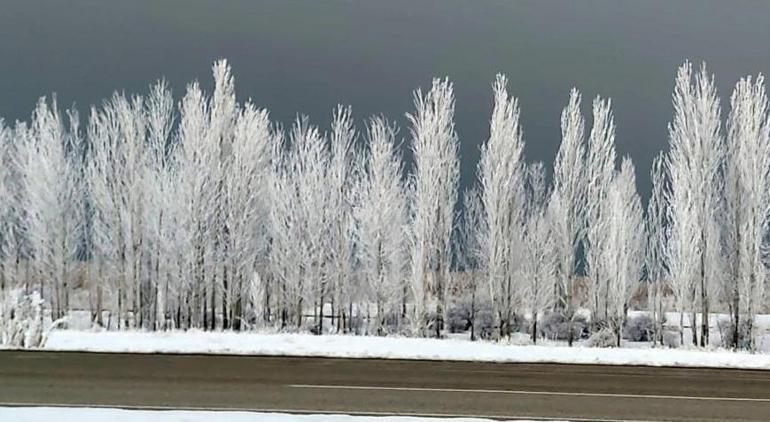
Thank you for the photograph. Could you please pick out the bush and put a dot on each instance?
(580, 326)
(671, 339)
(603, 338)
(555, 326)
(392, 322)
(485, 322)
(458, 320)
(638, 328)
(520, 324)
(550, 326)
(520, 339)
(21, 317)
(726, 328)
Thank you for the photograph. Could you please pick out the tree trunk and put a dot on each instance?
(735, 317)
(120, 307)
(661, 315)
(473, 313)
(321, 316)
(704, 335)
(213, 302)
(568, 309)
(235, 306)
(750, 344)
(350, 319)
(299, 313)
(403, 302)
(226, 295)
(694, 327)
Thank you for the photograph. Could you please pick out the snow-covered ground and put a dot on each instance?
(390, 348)
(86, 414)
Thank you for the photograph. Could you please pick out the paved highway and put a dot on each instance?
(393, 387)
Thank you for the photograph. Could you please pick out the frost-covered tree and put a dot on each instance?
(14, 242)
(282, 223)
(116, 145)
(434, 194)
(299, 223)
(194, 158)
(539, 259)
(502, 177)
(747, 204)
(471, 257)
(695, 160)
(158, 224)
(133, 204)
(223, 113)
(380, 216)
(680, 252)
(52, 181)
(246, 199)
(599, 170)
(8, 193)
(624, 257)
(341, 184)
(568, 203)
(655, 258)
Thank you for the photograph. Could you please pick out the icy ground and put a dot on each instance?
(349, 346)
(47, 414)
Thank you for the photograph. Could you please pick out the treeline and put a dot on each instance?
(206, 214)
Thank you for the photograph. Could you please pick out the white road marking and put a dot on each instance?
(527, 392)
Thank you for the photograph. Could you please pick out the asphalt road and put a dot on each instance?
(364, 386)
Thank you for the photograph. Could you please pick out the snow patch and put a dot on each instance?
(85, 414)
(342, 346)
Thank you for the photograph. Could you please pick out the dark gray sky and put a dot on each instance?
(306, 56)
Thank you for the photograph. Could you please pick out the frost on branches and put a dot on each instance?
(201, 212)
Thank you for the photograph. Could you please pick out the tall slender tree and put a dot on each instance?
(159, 114)
(341, 185)
(434, 194)
(51, 176)
(747, 204)
(502, 176)
(625, 256)
(694, 165)
(568, 204)
(380, 214)
(245, 214)
(599, 170)
(655, 259)
(471, 257)
(116, 140)
(539, 261)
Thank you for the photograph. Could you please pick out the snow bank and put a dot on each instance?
(85, 414)
(390, 348)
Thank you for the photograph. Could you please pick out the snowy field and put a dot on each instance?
(85, 414)
(391, 348)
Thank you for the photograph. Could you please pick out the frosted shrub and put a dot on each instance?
(554, 326)
(727, 333)
(21, 317)
(602, 338)
(638, 328)
(671, 339)
(459, 319)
